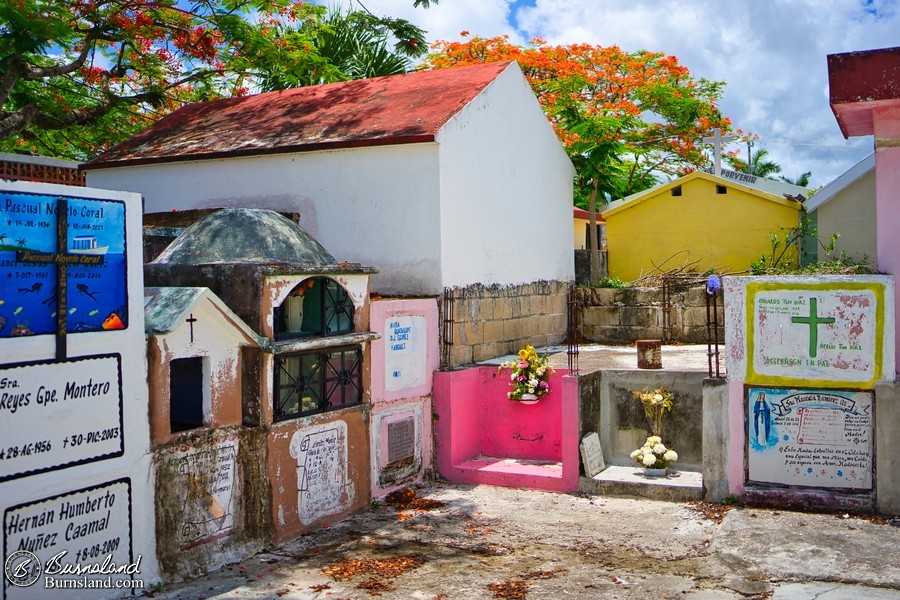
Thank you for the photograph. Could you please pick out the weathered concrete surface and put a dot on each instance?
(676, 486)
(568, 546)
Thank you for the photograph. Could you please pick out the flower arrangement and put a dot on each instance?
(529, 374)
(656, 404)
(654, 455)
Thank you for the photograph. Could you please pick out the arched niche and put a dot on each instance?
(316, 307)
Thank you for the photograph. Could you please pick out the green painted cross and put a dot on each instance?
(813, 321)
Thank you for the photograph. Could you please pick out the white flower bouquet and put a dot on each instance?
(654, 455)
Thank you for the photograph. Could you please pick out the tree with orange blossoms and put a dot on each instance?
(646, 104)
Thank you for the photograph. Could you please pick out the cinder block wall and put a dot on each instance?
(492, 321)
(629, 314)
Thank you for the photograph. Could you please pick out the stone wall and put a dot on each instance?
(583, 266)
(492, 321)
(629, 314)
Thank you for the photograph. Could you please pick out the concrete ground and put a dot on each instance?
(490, 542)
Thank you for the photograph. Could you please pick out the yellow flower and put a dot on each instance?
(523, 354)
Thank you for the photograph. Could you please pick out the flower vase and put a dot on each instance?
(655, 472)
(529, 399)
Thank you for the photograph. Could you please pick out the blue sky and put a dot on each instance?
(771, 53)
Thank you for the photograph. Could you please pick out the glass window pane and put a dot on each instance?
(343, 378)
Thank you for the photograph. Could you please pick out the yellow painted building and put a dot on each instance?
(716, 222)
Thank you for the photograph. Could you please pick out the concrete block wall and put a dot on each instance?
(629, 314)
(492, 321)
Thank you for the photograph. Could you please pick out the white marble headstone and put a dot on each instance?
(592, 454)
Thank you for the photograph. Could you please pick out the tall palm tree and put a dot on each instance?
(802, 180)
(762, 166)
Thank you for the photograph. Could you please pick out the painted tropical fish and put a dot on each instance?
(113, 322)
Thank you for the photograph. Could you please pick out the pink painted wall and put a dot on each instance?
(887, 194)
(508, 428)
(734, 465)
(402, 401)
(475, 420)
(380, 311)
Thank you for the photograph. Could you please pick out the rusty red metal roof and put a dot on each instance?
(859, 83)
(366, 112)
(580, 213)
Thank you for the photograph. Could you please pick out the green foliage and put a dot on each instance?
(78, 76)
(351, 45)
(802, 180)
(610, 282)
(762, 165)
(730, 500)
(782, 259)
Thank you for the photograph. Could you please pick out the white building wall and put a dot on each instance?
(377, 205)
(506, 191)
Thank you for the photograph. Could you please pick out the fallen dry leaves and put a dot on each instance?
(711, 510)
(516, 590)
(378, 569)
(408, 500)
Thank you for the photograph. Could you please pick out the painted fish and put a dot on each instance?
(93, 312)
(113, 322)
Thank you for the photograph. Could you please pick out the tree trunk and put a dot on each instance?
(593, 238)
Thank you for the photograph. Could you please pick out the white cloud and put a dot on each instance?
(771, 54)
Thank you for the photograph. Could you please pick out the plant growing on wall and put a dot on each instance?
(529, 376)
(785, 251)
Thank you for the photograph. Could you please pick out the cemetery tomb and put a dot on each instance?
(307, 386)
(74, 436)
(404, 360)
(804, 357)
(206, 459)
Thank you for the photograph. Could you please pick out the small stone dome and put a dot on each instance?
(246, 235)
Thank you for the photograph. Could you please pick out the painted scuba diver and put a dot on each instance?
(83, 289)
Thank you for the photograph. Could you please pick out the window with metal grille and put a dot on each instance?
(313, 382)
(318, 306)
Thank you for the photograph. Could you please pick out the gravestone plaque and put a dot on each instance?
(84, 528)
(404, 352)
(65, 262)
(592, 454)
(401, 440)
(815, 438)
(815, 334)
(324, 487)
(59, 414)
